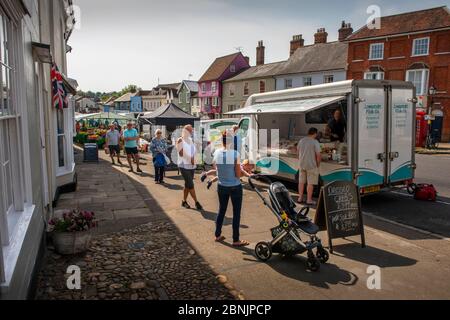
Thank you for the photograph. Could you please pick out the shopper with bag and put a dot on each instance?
(158, 147)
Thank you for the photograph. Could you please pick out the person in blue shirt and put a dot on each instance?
(227, 163)
(158, 147)
(131, 137)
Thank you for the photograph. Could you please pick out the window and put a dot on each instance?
(215, 101)
(262, 86)
(203, 87)
(328, 79)
(288, 83)
(214, 86)
(374, 76)
(232, 90)
(233, 68)
(421, 47)
(207, 101)
(376, 51)
(14, 194)
(232, 108)
(246, 89)
(188, 97)
(307, 81)
(420, 80)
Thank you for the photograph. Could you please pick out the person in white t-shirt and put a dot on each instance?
(186, 163)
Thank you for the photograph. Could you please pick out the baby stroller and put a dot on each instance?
(293, 224)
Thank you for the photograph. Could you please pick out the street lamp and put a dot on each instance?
(430, 144)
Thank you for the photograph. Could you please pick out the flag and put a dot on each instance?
(59, 93)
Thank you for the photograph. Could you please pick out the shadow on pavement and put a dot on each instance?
(295, 268)
(373, 256)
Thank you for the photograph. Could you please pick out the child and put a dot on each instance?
(246, 168)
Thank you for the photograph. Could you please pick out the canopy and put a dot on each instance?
(302, 106)
(170, 115)
(104, 116)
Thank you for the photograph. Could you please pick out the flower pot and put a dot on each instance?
(69, 243)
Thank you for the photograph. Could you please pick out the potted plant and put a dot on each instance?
(71, 232)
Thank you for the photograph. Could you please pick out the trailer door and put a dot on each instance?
(402, 132)
(371, 131)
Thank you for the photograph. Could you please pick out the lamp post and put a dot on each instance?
(431, 92)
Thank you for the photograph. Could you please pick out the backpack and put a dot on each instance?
(425, 192)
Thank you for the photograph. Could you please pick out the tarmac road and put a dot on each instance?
(414, 264)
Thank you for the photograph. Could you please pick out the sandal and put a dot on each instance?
(241, 244)
(220, 239)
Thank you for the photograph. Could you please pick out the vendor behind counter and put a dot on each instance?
(337, 127)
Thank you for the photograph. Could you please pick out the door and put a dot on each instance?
(371, 130)
(402, 131)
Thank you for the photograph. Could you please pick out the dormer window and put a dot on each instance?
(233, 68)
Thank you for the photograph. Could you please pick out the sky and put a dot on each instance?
(121, 42)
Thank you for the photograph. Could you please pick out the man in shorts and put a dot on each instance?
(112, 143)
(131, 137)
(310, 158)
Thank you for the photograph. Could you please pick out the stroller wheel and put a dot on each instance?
(313, 264)
(263, 251)
(323, 255)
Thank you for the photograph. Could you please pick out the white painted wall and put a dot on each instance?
(317, 78)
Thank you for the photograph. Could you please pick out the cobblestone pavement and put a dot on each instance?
(150, 262)
(138, 253)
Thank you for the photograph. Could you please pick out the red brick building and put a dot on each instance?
(413, 46)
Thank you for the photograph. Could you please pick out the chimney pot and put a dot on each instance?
(321, 36)
(297, 42)
(345, 31)
(260, 53)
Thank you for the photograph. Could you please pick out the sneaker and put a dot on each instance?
(185, 205)
(204, 176)
(139, 171)
(209, 185)
(198, 206)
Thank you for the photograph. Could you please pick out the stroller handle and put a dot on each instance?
(257, 176)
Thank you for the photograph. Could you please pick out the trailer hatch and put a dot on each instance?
(297, 106)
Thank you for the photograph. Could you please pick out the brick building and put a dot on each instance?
(413, 46)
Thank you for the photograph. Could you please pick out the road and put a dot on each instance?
(414, 264)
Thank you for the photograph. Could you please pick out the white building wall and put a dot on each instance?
(317, 78)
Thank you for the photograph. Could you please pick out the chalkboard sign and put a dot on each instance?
(90, 152)
(339, 211)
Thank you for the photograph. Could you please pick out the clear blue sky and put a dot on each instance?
(122, 42)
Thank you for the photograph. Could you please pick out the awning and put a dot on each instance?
(296, 106)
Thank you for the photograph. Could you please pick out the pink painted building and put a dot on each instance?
(210, 84)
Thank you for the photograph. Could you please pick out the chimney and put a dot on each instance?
(321, 36)
(297, 42)
(345, 31)
(260, 53)
(247, 59)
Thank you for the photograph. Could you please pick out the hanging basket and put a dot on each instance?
(70, 243)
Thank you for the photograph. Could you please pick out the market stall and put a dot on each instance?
(168, 118)
(92, 128)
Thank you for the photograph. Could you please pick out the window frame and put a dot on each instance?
(246, 89)
(377, 73)
(286, 87)
(328, 76)
(233, 68)
(232, 90)
(372, 45)
(264, 86)
(414, 47)
(14, 218)
(425, 78)
(305, 83)
(214, 86)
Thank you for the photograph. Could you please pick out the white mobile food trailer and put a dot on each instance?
(377, 152)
